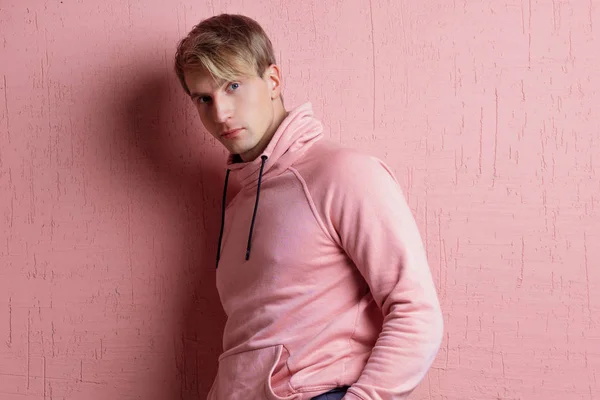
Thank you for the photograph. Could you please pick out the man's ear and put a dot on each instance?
(273, 77)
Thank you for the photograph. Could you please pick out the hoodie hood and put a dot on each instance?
(296, 133)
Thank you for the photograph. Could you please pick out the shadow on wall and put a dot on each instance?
(165, 143)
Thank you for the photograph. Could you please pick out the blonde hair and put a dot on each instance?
(228, 46)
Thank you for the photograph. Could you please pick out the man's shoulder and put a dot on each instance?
(329, 161)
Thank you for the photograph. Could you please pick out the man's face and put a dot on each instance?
(239, 113)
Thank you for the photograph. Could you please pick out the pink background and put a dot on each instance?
(488, 112)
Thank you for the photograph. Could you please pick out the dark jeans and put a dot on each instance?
(334, 394)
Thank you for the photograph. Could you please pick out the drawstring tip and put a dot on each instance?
(247, 255)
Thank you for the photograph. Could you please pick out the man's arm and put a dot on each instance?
(376, 228)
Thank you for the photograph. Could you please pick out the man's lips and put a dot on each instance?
(231, 133)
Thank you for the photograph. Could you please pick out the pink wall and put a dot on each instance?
(486, 110)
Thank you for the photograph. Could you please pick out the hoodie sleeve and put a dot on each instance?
(373, 223)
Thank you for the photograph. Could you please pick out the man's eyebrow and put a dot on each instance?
(219, 85)
(196, 94)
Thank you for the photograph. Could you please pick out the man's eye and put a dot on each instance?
(203, 99)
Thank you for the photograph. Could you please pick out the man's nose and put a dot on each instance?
(222, 109)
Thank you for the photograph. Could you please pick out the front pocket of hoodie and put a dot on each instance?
(247, 375)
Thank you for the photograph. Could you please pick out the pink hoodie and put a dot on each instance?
(337, 289)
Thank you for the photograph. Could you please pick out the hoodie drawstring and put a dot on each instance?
(222, 216)
(262, 166)
(248, 249)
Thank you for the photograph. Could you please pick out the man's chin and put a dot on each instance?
(236, 149)
(240, 148)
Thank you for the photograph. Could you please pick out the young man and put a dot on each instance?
(320, 266)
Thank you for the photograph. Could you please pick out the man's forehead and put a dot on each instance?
(202, 78)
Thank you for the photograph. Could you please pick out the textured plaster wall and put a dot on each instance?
(488, 112)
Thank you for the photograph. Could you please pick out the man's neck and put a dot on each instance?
(278, 116)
